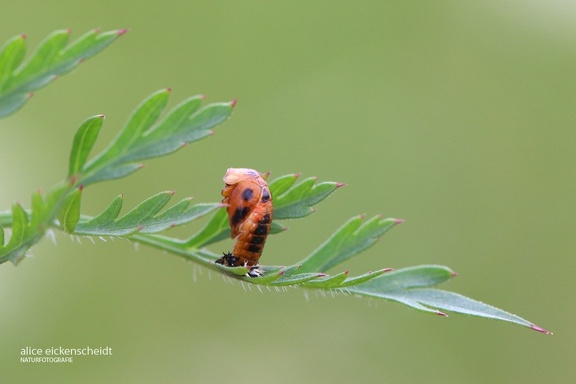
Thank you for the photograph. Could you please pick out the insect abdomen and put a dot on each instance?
(250, 212)
(252, 237)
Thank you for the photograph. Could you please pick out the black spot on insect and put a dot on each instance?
(265, 219)
(265, 195)
(255, 248)
(261, 229)
(239, 215)
(257, 240)
(247, 194)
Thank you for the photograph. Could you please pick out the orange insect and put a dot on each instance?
(250, 211)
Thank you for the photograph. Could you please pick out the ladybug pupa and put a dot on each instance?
(249, 205)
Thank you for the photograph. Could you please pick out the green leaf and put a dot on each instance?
(294, 279)
(11, 55)
(12, 103)
(45, 56)
(363, 278)
(144, 218)
(139, 122)
(110, 173)
(83, 142)
(408, 278)
(88, 45)
(277, 228)
(327, 282)
(39, 212)
(352, 238)
(51, 59)
(108, 216)
(283, 183)
(162, 142)
(29, 227)
(144, 137)
(15, 249)
(410, 286)
(69, 214)
(215, 230)
(19, 225)
(296, 201)
(176, 119)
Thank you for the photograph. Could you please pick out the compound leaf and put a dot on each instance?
(146, 136)
(293, 201)
(144, 218)
(52, 58)
(352, 238)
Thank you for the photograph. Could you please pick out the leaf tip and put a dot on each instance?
(338, 185)
(539, 329)
(168, 90)
(387, 270)
(122, 31)
(29, 96)
(233, 103)
(441, 314)
(101, 116)
(81, 187)
(23, 36)
(68, 31)
(398, 221)
(171, 193)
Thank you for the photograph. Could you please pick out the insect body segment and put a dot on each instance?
(250, 212)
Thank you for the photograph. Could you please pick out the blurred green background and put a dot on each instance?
(457, 116)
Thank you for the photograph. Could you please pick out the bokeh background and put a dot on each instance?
(457, 116)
